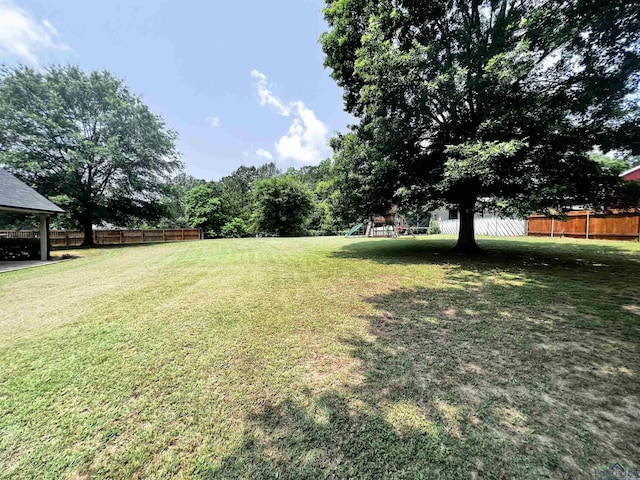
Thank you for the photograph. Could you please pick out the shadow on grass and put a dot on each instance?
(528, 375)
(600, 281)
(547, 258)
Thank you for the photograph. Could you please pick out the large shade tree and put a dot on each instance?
(85, 139)
(483, 99)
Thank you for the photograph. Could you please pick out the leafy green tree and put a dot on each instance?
(86, 138)
(624, 194)
(321, 179)
(282, 206)
(610, 165)
(312, 175)
(173, 202)
(322, 219)
(10, 221)
(204, 210)
(236, 228)
(460, 100)
(236, 189)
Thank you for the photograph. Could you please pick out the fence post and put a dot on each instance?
(182, 234)
(552, 225)
(587, 224)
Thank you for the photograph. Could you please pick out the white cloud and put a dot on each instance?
(23, 36)
(261, 152)
(213, 121)
(307, 138)
(50, 27)
(267, 97)
(306, 141)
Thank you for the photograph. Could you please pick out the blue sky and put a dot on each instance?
(241, 82)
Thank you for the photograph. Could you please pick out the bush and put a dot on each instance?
(324, 233)
(236, 228)
(19, 249)
(434, 228)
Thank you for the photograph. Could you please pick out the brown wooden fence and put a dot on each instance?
(584, 224)
(73, 238)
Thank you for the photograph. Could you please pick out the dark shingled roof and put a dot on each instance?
(19, 197)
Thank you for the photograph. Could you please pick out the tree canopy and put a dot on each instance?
(282, 206)
(499, 100)
(236, 189)
(173, 204)
(204, 210)
(85, 139)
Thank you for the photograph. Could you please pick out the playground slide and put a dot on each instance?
(354, 229)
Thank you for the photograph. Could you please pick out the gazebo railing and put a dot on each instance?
(73, 238)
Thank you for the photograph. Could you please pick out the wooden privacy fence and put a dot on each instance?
(585, 224)
(73, 238)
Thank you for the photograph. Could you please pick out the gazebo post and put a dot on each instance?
(18, 197)
(44, 237)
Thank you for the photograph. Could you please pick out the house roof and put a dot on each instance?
(631, 170)
(16, 196)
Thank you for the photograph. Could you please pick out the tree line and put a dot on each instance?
(252, 200)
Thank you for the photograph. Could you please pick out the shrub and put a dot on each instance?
(434, 228)
(19, 249)
(236, 228)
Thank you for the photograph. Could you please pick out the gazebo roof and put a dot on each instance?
(16, 196)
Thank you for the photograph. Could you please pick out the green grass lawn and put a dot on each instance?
(323, 358)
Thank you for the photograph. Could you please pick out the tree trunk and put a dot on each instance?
(466, 233)
(87, 228)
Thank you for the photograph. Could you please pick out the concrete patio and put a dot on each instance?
(9, 266)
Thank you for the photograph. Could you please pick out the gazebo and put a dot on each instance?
(17, 197)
